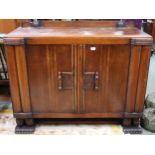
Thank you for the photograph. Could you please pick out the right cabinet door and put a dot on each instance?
(105, 75)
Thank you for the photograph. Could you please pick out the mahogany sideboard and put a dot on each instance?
(77, 72)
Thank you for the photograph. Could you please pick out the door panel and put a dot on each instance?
(92, 65)
(117, 78)
(51, 78)
(111, 65)
(64, 78)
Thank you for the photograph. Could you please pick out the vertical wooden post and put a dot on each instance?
(13, 79)
(17, 67)
(138, 71)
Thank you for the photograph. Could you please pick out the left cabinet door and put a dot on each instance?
(51, 78)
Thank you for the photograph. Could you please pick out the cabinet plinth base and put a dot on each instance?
(24, 129)
(132, 130)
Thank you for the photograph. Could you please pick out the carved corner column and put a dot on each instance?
(16, 61)
(137, 80)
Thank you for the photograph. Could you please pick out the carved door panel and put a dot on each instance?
(51, 78)
(105, 72)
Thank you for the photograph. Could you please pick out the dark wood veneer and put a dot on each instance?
(66, 73)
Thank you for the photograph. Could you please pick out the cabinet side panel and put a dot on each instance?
(142, 80)
(13, 78)
(133, 78)
(23, 77)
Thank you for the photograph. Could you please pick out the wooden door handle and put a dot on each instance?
(91, 80)
(65, 80)
(59, 81)
(96, 81)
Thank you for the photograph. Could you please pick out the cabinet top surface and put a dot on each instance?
(77, 32)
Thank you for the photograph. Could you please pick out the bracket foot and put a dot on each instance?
(24, 129)
(132, 130)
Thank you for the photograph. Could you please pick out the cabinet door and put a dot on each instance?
(51, 78)
(105, 72)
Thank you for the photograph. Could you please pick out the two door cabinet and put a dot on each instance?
(77, 73)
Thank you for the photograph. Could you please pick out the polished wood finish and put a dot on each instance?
(107, 61)
(13, 78)
(77, 32)
(45, 63)
(62, 72)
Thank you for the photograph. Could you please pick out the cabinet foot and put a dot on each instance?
(136, 122)
(132, 130)
(29, 122)
(20, 122)
(132, 126)
(24, 129)
(25, 126)
(127, 122)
